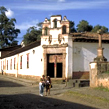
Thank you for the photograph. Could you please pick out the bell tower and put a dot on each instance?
(55, 30)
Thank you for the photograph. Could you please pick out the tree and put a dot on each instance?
(97, 27)
(8, 32)
(84, 26)
(32, 34)
(72, 28)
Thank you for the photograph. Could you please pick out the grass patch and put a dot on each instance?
(107, 72)
(102, 88)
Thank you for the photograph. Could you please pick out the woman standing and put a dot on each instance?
(48, 85)
(41, 85)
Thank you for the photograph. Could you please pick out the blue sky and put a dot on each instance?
(30, 12)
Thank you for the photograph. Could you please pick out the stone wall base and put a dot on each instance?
(29, 77)
(37, 78)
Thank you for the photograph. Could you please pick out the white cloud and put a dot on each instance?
(27, 24)
(86, 4)
(61, 0)
(9, 13)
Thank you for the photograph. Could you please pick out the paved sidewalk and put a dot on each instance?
(26, 81)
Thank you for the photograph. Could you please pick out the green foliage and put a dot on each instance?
(84, 26)
(107, 72)
(98, 27)
(72, 28)
(32, 34)
(8, 32)
(39, 25)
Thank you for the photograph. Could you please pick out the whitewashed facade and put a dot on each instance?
(58, 55)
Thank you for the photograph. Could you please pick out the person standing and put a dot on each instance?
(41, 85)
(48, 84)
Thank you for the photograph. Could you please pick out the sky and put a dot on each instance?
(29, 13)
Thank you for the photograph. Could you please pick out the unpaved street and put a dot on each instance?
(17, 93)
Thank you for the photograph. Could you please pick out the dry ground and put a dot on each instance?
(17, 93)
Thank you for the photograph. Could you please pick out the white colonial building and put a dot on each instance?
(59, 54)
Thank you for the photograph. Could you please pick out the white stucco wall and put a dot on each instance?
(1, 64)
(55, 33)
(69, 57)
(35, 63)
(84, 53)
(13, 71)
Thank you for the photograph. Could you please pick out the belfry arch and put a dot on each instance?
(46, 31)
(55, 23)
(64, 29)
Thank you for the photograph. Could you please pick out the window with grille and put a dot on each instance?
(11, 64)
(14, 63)
(20, 62)
(7, 64)
(28, 60)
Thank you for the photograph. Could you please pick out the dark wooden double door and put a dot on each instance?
(54, 65)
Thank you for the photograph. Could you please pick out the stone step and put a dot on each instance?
(78, 83)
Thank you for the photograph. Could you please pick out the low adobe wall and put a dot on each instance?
(98, 77)
(103, 80)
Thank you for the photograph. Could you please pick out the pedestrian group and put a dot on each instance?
(45, 83)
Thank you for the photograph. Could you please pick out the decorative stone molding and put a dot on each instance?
(65, 18)
(50, 39)
(46, 20)
(100, 59)
(55, 46)
(59, 39)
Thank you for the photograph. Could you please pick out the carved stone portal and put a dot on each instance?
(55, 62)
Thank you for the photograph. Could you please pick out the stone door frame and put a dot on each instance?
(61, 50)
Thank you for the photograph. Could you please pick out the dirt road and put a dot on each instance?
(17, 93)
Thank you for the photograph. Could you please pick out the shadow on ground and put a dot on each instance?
(31, 101)
(5, 83)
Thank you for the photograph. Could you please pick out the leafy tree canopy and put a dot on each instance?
(8, 32)
(98, 27)
(84, 26)
(72, 28)
(33, 34)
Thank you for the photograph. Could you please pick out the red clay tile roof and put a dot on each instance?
(88, 37)
(22, 49)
